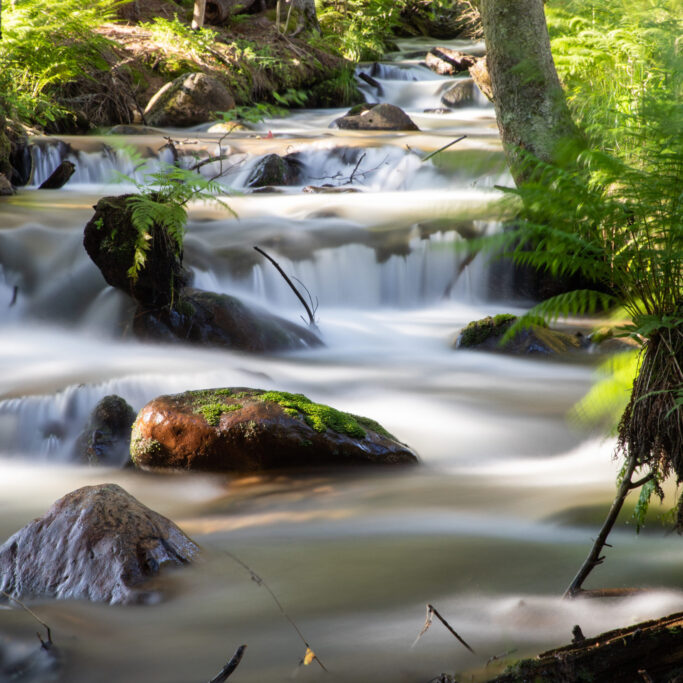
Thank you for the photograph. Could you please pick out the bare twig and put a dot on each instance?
(355, 168)
(46, 645)
(311, 316)
(441, 149)
(310, 655)
(495, 658)
(227, 670)
(433, 612)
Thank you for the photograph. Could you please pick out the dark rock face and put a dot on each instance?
(110, 239)
(485, 335)
(106, 438)
(380, 117)
(448, 62)
(221, 320)
(187, 101)
(240, 429)
(96, 543)
(459, 95)
(6, 188)
(275, 170)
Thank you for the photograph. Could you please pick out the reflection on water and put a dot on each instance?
(491, 527)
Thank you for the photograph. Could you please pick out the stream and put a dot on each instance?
(490, 528)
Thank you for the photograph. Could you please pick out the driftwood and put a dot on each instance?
(227, 670)
(59, 177)
(649, 651)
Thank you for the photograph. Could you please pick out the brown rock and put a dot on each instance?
(241, 429)
(96, 543)
(459, 95)
(221, 320)
(188, 100)
(6, 188)
(380, 117)
(448, 62)
(480, 73)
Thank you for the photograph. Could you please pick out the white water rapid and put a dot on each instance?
(489, 529)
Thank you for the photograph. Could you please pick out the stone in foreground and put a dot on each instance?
(96, 543)
(382, 116)
(246, 430)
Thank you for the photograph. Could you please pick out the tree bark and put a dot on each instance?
(649, 651)
(531, 109)
(198, 14)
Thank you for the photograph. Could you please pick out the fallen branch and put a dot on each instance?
(441, 149)
(433, 612)
(227, 670)
(311, 314)
(45, 644)
(371, 81)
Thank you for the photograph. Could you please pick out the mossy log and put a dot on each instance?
(649, 651)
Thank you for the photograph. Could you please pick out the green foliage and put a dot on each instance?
(253, 114)
(212, 411)
(162, 199)
(317, 415)
(46, 45)
(360, 29)
(173, 35)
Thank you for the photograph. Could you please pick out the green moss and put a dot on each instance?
(478, 331)
(374, 426)
(212, 411)
(141, 446)
(317, 415)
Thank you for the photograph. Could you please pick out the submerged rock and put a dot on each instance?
(459, 95)
(187, 101)
(486, 334)
(275, 170)
(241, 429)
(382, 116)
(96, 543)
(221, 320)
(106, 438)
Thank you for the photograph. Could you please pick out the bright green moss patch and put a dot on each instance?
(212, 411)
(478, 331)
(317, 415)
(374, 426)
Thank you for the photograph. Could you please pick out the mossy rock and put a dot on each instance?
(487, 334)
(242, 429)
(382, 116)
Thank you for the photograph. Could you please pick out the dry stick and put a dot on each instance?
(441, 149)
(432, 611)
(260, 582)
(355, 168)
(594, 558)
(45, 645)
(311, 318)
(227, 670)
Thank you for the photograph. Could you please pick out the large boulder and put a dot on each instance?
(241, 429)
(448, 62)
(105, 440)
(221, 320)
(188, 100)
(110, 239)
(96, 543)
(273, 169)
(382, 116)
(459, 95)
(486, 335)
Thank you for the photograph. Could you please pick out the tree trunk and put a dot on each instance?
(530, 104)
(198, 14)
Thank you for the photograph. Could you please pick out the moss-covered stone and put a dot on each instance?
(478, 331)
(212, 411)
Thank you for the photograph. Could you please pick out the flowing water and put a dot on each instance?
(491, 526)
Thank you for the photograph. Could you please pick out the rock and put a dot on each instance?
(187, 101)
(240, 429)
(29, 660)
(106, 438)
(96, 543)
(110, 239)
(379, 117)
(129, 129)
(448, 62)
(485, 335)
(480, 74)
(273, 169)
(228, 127)
(221, 320)
(60, 176)
(6, 188)
(459, 95)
